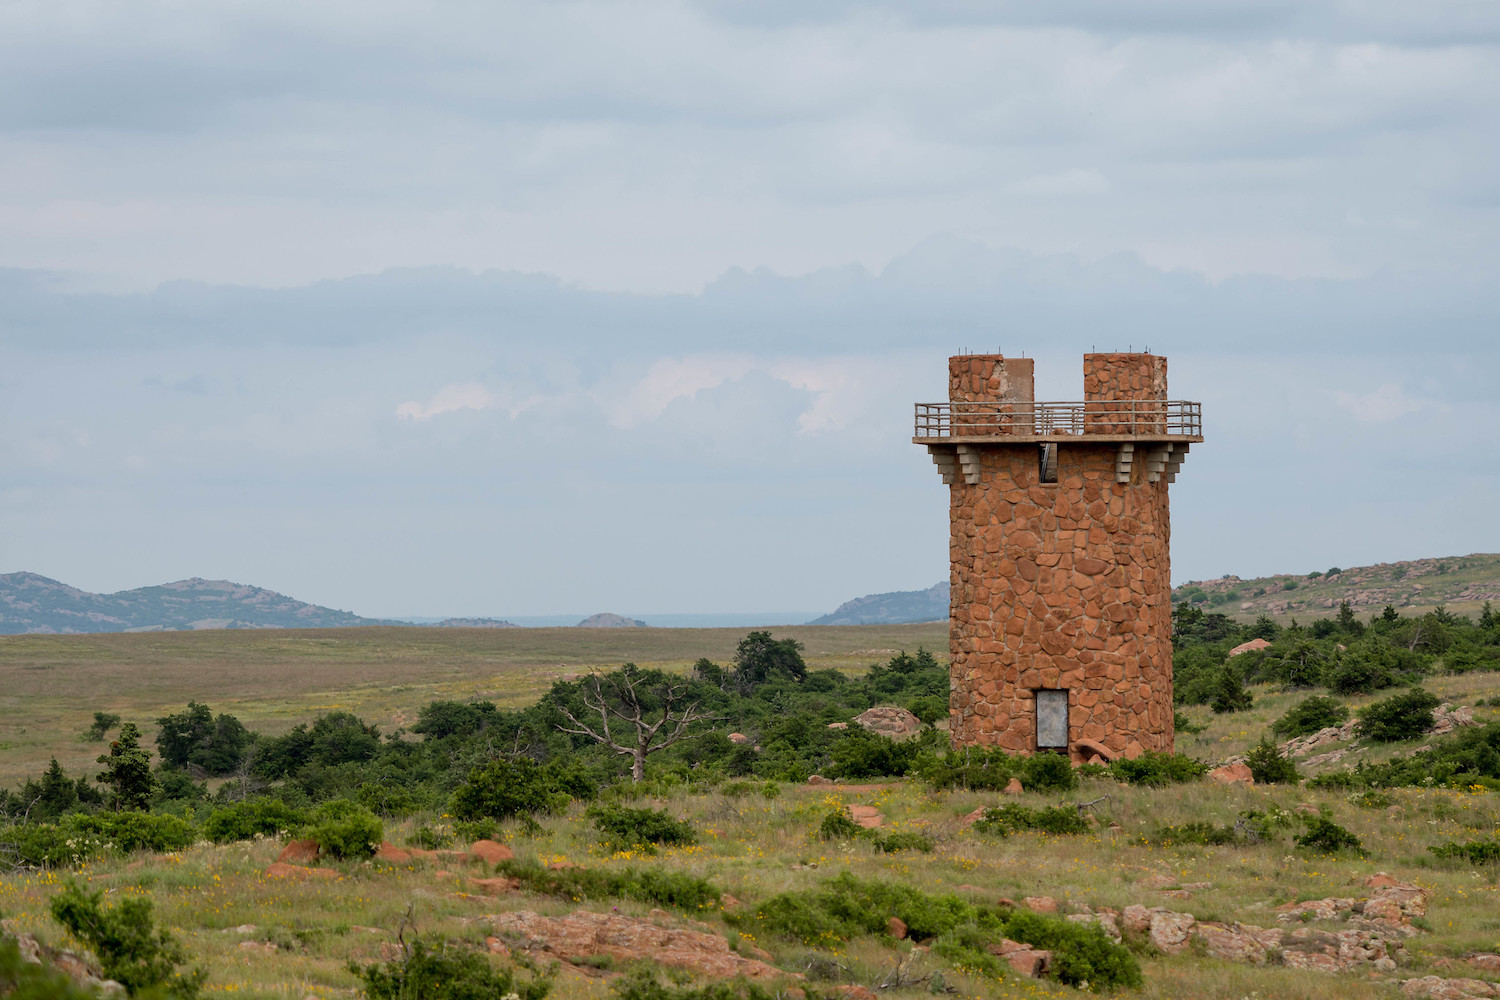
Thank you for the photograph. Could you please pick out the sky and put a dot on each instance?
(485, 309)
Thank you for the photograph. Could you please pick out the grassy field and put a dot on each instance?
(751, 845)
(50, 686)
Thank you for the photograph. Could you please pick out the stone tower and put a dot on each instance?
(1061, 614)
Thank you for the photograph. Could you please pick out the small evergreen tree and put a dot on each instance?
(1269, 767)
(1230, 694)
(103, 723)
(127, 770)
(1348, 623)
(1488, 620)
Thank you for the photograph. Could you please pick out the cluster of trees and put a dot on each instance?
(627, 724)
(1342, 654)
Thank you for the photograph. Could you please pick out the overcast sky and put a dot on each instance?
(488, 309)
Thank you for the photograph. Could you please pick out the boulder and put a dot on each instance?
(495, 886)
(582, 934)
(896, 928)
(1023, 958)
(1040, 904)
(1093, 748)
(1438, 988)
(818, 779)
(1013, 787)
(299, 852)
(889, 720)
(1232, 774)
(739, 739)
(974, 817)
(1248, 647)
(299, 873)
(391, 854)
(866, 816)
(491, 852)
(1487, 962)
(838, 725)
(1170, 931)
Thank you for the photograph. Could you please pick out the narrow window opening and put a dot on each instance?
(1046, 455)
(1051, 720)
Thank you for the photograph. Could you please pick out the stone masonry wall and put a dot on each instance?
(1115, 378)
(1063, 585)
(1006, 383)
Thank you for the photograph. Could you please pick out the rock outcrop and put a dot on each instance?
(889, 720)
(581, 935)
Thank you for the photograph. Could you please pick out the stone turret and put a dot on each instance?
(1060, 622)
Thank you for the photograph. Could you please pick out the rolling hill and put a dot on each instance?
(896, 608)
(31, 603)
(1460, 583)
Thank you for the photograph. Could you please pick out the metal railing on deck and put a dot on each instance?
(1118, 417)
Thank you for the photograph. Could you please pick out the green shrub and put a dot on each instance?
(1047, 772)
(253, 818)
(1372, 799)
(929, 708)
(648, 885)
(1310, 715)
(1158, 769)
(1182, 724)
(1197, 833)
(845, 907)
(624, 828)
(432, 969)
(1475, 852)
(1011, 817)
(1229, 691)
(79, 837)
(1402, 717)
(521, 787)
(130, 948)
(1269, 767)
(904, 840)
(974, 768)
(838, 825)
(345, 829)
(1323, 834)
(1466, 757)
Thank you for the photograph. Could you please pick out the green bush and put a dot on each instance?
(1269, 767)
(845, 907)
(1466, 757)
(23, 980)
(253, 818)
(1008, 819)
(1229, 691)
(929, 708)
(903, 840)
(130, 948)
(444, 970)
(974, 768)
(1323, 834)
(521, 787)
(624, 828)
(1402, 717)
(838, 825)
(1158, 769)
(1048, 772)
(1475, 852)
(647, 885)
(1197, 833)
(79, 837)
(345, 829)
(1310, 715)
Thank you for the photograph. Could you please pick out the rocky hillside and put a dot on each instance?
(606, 620)
(33, 603)
(896, 608)
(1460, 583)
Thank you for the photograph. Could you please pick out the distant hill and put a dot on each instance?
(30, 602)
(607, 620)
(1461, 583)
(896, 608)
(474, 623)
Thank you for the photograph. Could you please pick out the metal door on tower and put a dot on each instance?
(1052, 720)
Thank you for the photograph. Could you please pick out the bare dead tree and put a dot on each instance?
(624, 701)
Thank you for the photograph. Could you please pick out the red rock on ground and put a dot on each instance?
(866, 816)
(1232, 774)
(975, 816)
(299, 872)
(1040, 904)
(583, 934)
(391, 854)
(896, 928)
(1013, 787)
(491, 852)
(1248, 647)
(299, 851)
(495, 886)
(1026, 960)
